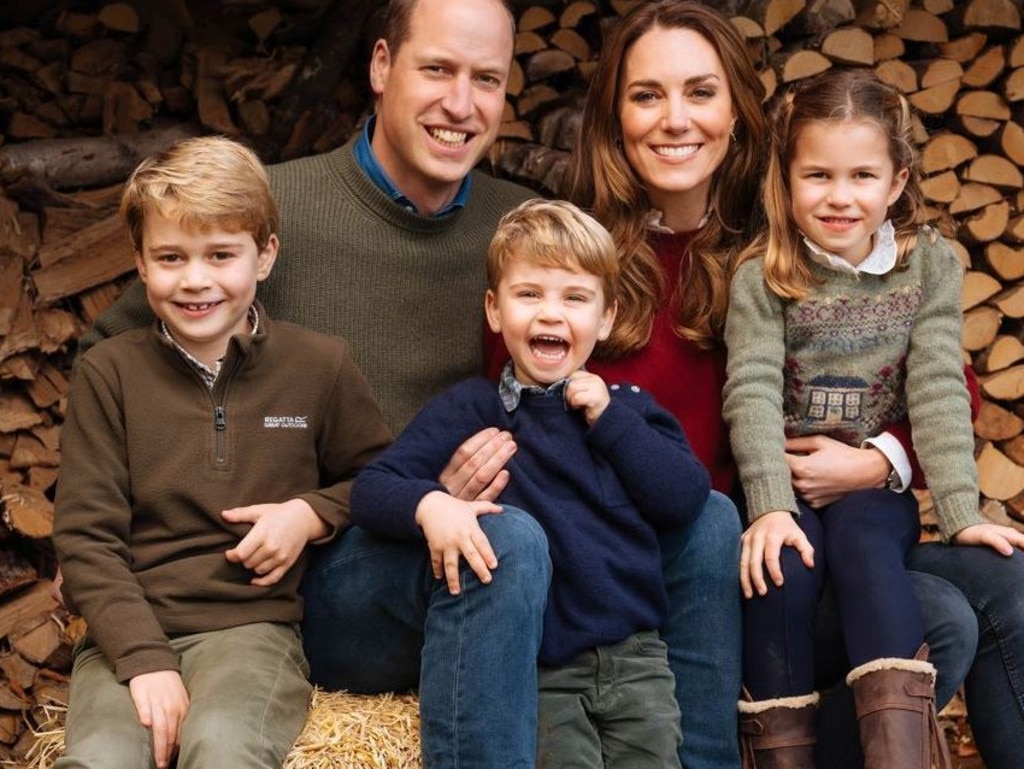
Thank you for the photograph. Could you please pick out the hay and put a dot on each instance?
(356, 731)
(343, 731)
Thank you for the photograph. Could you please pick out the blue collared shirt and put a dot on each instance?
(368, 162)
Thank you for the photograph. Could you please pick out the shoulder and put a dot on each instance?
(121, 351)
(498, 192)
(296, 170)
(303, 346)
(631, 395)
(934, 258)
(476, 392)
(750, 270)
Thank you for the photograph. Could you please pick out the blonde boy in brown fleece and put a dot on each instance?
(200, 456)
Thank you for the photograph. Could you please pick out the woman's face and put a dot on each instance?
(676, 113)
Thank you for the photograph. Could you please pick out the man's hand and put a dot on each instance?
(279, 533)
(824, 469)
(1002, 539)
(161, 702)
(476, 471)
(452, 530)
(761, 545)
(589, 393)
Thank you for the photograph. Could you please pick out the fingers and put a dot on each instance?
(802, 444)
(751, 569)
(164, 738)
(494, 489)
(473, 470)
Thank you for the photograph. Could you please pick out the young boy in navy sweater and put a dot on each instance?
(601, 468)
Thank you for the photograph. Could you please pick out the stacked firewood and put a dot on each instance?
(85, 94)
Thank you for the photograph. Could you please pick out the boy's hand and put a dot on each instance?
(588, 392)
(451, 529)
(761, 545)
(161, 702)
(1002, 539)
(476, 469)
(279, 533)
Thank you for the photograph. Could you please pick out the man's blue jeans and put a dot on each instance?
(703, 632)
(376, 620)
(994, 586)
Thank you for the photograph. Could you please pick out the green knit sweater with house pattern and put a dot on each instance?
(859, 352)
(406, 291)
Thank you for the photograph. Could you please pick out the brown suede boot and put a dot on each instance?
(779, 733)
(895, 700)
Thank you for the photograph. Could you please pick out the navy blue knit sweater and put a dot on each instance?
(600, 493)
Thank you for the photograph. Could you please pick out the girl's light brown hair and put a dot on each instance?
(553, 233)
(602, 180)
(204, 182)
(836, 95)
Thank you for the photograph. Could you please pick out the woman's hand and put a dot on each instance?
(824, 469)
(761, 545)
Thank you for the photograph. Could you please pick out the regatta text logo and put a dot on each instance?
(285, 423)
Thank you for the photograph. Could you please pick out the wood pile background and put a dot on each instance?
(89, 88)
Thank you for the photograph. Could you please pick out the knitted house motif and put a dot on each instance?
(835, 400)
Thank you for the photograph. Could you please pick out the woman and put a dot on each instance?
(670, 163)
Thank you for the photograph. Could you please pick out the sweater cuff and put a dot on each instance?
(148, 661)
(766, 495)
(956, 513)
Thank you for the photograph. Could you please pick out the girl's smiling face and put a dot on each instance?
(841, 183)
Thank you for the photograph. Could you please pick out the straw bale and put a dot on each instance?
(355, 731)
(343, 731)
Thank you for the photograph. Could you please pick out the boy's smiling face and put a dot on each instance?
(201, 282)
(550, 319)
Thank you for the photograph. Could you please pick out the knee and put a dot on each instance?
(518, 540)
(951, 631)
(118, 746)
(710, 546)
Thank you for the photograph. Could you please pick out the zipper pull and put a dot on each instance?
(220, 422)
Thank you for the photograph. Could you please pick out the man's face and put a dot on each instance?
(440, 98)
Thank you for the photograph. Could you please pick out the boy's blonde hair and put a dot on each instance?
(201, 183)
(837, 95)
(554, 233)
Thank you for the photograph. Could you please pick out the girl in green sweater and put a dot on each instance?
(845, 318)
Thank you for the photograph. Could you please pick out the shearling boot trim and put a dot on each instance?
(802, 701)
(891, 663)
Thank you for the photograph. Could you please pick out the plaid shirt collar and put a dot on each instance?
(511, 389)
(209, 375)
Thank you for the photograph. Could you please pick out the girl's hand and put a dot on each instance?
(824, 469)
(761, 545)
(1002, 539)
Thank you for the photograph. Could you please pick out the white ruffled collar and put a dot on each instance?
(880, 261)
